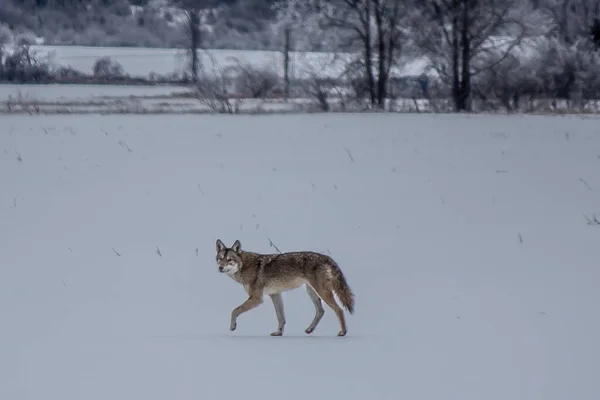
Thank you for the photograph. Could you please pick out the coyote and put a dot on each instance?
(272, 274)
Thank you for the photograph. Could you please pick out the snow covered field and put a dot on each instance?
(464, 238)
(111, 99)
(140, 61)
(63, 98)
(64, 93)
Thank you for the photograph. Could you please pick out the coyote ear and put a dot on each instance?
(237, 246)
(220, 245)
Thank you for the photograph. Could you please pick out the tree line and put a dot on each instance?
(476, 53)
(477, 49)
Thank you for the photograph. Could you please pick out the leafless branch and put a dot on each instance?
(213, 89)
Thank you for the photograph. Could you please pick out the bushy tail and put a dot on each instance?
(341, 288)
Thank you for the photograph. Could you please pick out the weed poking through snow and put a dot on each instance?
(593, 220)
(587, 185)
(349, 154)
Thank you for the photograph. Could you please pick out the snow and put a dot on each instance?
(463, 237)
(141, 62)
(69, 99)
(77, 92)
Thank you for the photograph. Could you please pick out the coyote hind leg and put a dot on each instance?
(326, 294)
(319, 311)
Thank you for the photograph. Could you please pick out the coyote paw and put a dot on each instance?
(308, 331)
(342, 333)
(278, 333)
(233, 326)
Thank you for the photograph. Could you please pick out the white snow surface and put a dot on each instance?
(142, 61)
(78, 92)
(464, 238)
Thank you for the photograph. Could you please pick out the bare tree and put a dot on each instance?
(195, 11)
(388, 17)
(5, 36)
(295, 19)
(571, 20)
(287, 34)
(213, 90)
(323, 88)
(376, 26)
(288, 17)
(464, 38)
(569, 58)
(354, 17)
(254, 82)
(595, 32)
(568, 72)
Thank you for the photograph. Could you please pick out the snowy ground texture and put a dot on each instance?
(69, 99)
(464, 238)
(130, 99)
(76, 93)
(141, 62)
(168, 99)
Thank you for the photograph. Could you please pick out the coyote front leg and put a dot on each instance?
(278, 303)
(252, 302)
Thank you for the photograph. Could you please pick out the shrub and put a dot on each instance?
(105, 67)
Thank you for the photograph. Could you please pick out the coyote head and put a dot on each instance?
(229, 260)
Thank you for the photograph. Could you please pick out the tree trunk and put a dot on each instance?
(595, 32)
(465, 43)
(368, 54)
(1, 64)
(455, 57)
(286, 63)
(381, 48)
(194, 26)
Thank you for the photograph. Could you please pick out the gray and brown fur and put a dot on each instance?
(272, 274)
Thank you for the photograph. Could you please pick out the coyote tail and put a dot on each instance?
(341, 288)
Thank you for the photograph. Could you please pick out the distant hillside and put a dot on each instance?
(230, 24)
